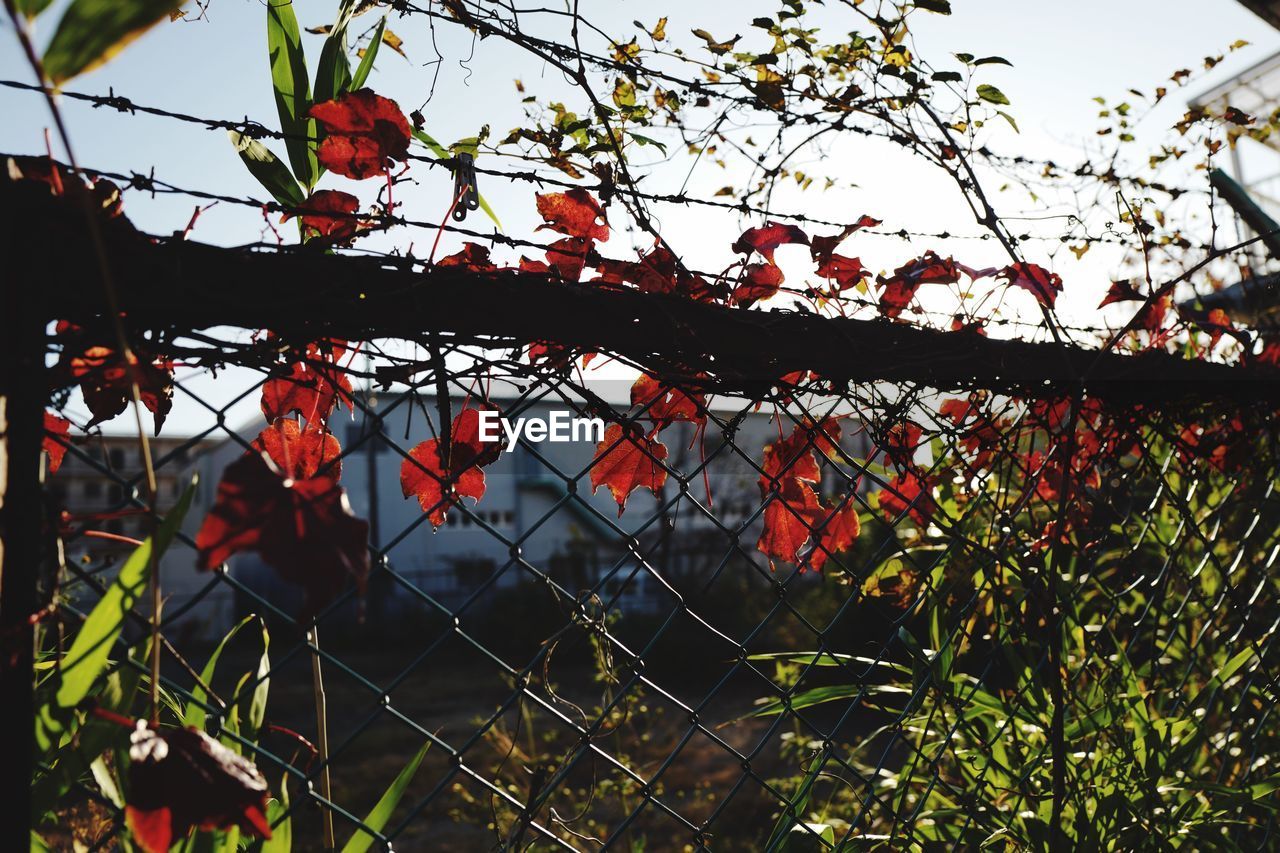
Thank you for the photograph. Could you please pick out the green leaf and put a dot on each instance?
(88, 657)
(30, 8)
(993, 60)
(645, 140)
(829, 659)
(377, 819)
(370, 52)
(278, 818)
(942, 7)
(333, 74)
(1009, 119)
(38, 844)
(947, 77)
(292, 90)
(267, 168)
(991, 94)
(93, 31)
(798, 804)
(262, 682)
(820, 695)
(194, 714)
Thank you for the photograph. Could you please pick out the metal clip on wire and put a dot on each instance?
(465, 191)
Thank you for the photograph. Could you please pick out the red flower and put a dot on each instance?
(363, 132)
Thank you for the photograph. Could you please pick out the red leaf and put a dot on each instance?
(105, 383)
(900, 288)
(761, 281)
(55, 427)
(567, 256)
(822, 248)
(574, 213)
(304, 529)
(181, 779)
(788, 520)
(301, 453)
(322, 216)
(437, 486)
(901, 441)
(841, 530)
(666, 403)
(908, 494)
(423, 476)
(790, 458)
(363, 131)
(627, 464)
(1121, 291)
(312, 390)
(1044, 285)
(473, 257)
(844, 271)
(768, 238)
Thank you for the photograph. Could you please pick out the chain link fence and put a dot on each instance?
(830, 616)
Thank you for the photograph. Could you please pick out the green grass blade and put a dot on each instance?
(381, 813)
(88, 657)
(274, 175)
(366, 62)
(292, 90)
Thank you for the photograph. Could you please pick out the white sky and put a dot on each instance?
(1063, 55)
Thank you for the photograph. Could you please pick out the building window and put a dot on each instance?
(92, 489)
(117, 458)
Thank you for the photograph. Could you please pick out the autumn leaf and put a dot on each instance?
(328, 215)
(363, 131)
(438, 486)
(56, 430)
(719, 48)
(310, 389)
(789, 518)
(304, 529)
(574, 213)
(473, 257)
(301, 452)
(759, 281)
(1121, 291)
(908, 494)
(767, 238)
(1044, 285)
(841, 530)
(105, 383)
(626, 464)
(822, 248)
(900, 288)
(667, 404)
(567, 256)
(181, 779)
(790, 458)
(846, 272)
